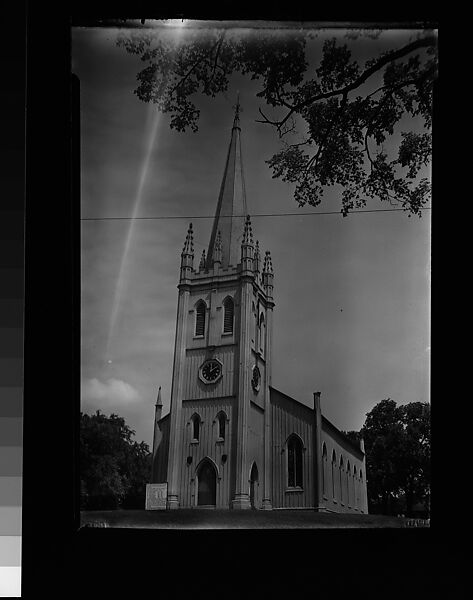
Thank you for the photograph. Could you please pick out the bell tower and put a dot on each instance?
(219, 426)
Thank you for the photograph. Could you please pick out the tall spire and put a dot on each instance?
(231, 206)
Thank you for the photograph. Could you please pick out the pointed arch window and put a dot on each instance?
(334, 465)
(324, 469)
(221, 425)
(195, 423)
(294, 462)
(348, 483)
(228, 314)
(200, 310)
(261, 332)
(355, 486)
(341, 479)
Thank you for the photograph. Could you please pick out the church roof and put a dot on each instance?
(231, 206)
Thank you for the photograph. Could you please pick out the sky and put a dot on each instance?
(352, 313)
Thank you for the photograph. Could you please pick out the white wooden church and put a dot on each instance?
(231, 440)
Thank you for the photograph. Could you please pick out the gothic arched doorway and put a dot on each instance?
(253, 485)
(206, 484)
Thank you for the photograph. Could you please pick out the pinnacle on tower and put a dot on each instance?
(218, 248)
(247, 233)
(268, 264)
(202, 260)
(187, 255)
(257, 260)
(268, 275)
(189, 243)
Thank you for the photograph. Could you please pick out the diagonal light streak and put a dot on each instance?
(155, 116)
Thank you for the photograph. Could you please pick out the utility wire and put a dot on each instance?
(252, 216)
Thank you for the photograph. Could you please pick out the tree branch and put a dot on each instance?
(379, 64)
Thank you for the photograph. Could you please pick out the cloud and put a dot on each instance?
(112, 395)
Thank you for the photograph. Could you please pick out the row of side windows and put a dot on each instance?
(228, 317)
(339, 466)
(220, 420)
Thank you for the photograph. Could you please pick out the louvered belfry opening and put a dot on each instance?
(228, 315)
(200, 319)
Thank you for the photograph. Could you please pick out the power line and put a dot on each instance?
(254, 216)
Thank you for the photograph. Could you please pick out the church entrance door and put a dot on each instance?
(207, 485)
(253, 484)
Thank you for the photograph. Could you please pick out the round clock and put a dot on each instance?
(210, 371)
(256, 378)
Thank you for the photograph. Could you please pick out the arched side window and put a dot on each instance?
(334, 466)
(228, 313)
(341, 480)
(356, 487)
(255, 324)
(348, 483)
(261, 332)
(221, 425)
(294, 462)
(200, 310)
(196, 423)
(324, 469)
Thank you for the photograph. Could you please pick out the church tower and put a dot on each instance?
(217, 440)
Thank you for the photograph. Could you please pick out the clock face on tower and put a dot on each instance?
(256, 379)
(210, 371)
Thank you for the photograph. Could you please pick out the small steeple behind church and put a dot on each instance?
(231, 206)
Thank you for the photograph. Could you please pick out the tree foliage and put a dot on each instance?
(346, 110)
(397, 445)
(114, 469)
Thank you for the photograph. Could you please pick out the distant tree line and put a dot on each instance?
(114, 469)
(397, 445)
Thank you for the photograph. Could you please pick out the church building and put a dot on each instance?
(231, 440)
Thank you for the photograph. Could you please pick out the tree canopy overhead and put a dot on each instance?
(341, 120)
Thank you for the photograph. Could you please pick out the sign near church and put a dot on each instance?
(156, 496)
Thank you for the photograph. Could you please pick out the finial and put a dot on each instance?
(202, 260)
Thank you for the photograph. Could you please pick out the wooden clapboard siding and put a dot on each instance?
(289, 416)
(208, 446)
(195, 389)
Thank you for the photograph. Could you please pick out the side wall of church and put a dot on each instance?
(343, 469)
(290, 417)
(210, 446)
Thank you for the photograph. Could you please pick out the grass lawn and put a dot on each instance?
(230, 519)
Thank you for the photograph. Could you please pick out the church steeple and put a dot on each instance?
(231, 207)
